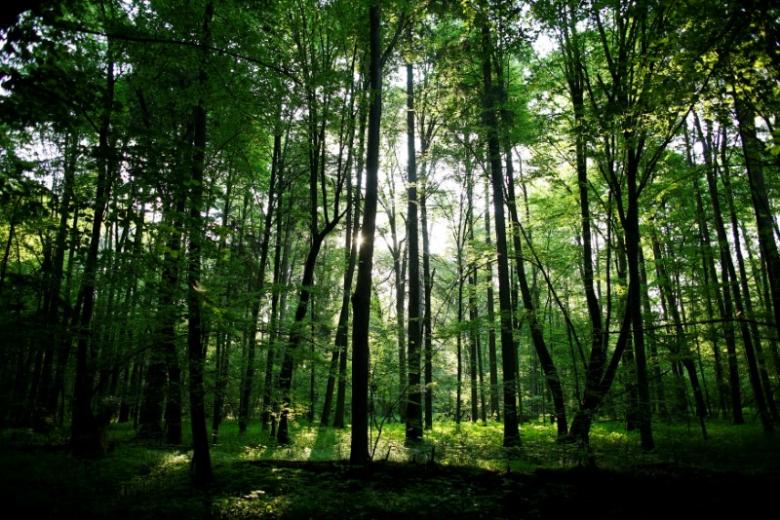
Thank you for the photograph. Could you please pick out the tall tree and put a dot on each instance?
(361, 299)
(86, 435)
(414, 423)
(490, 121)
(201, 461)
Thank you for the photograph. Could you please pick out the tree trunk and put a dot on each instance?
(750, 314)
(7, 250)
(361, 299)
(414, 420)
(248, 375)
(278, 310)
(537, 335)
(427, 317)
(48, 397)
(509, 354)
(655, 366)
(86, 435)
(712, 287)
(338, 419)
(495, 409)
(336, 373)
(317, 235)
(163, 358)
(201, 461)
(680, 351)
(459, 338)
(296, 337)
(472, 300)
(400, 263)
(729, 282)
(751, 147)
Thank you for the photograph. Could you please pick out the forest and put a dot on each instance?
(373, 258)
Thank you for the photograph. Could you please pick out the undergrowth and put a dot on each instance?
(254, 476)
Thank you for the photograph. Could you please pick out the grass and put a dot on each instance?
(256, 478)
(729, 448)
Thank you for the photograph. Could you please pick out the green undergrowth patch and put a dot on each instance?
(457, 470)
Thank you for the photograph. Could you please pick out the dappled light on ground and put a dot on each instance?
(444, 475)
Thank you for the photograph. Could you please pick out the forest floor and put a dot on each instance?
(734, 473)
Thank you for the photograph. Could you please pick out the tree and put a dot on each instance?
(490, 121)
(414, 422)
(361, 299)
(201, 461)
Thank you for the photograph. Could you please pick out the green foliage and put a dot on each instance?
(143, 481)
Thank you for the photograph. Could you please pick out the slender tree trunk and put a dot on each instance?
(459, 339)
(729, 282)
(598, 340)
(338, 419)
(633, 303)
(69, 314)
(350, 257)
(317, 148)
(474, 347)
(472, 297)
(537, 335)
(750, 314)
(221, 365)
(628, 359)
(248, 376)
(680, 350)
(296, 337)
(481, 374)
(201, 461)
(86, 437)
(361, 299)
(414, 419)
(278, 308)
(751, 147)
(312, 361)
(508, 351)
(600, 377)
(427, 317)
(655, 365)
(495, 409)
(48, 397)
(399, 271)
(712, 287)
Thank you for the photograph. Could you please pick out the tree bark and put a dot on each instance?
(711, 287)
(414, 420)
(86, 437)
(201, 461)
(750, 314)
(48, 397)
(350, 260)
(751, 147)
(247, 380)
(509, 354)
(529, 305)
(472, 300)
(729, 282)
(495, 408)
(427, 317)
(361, 299)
